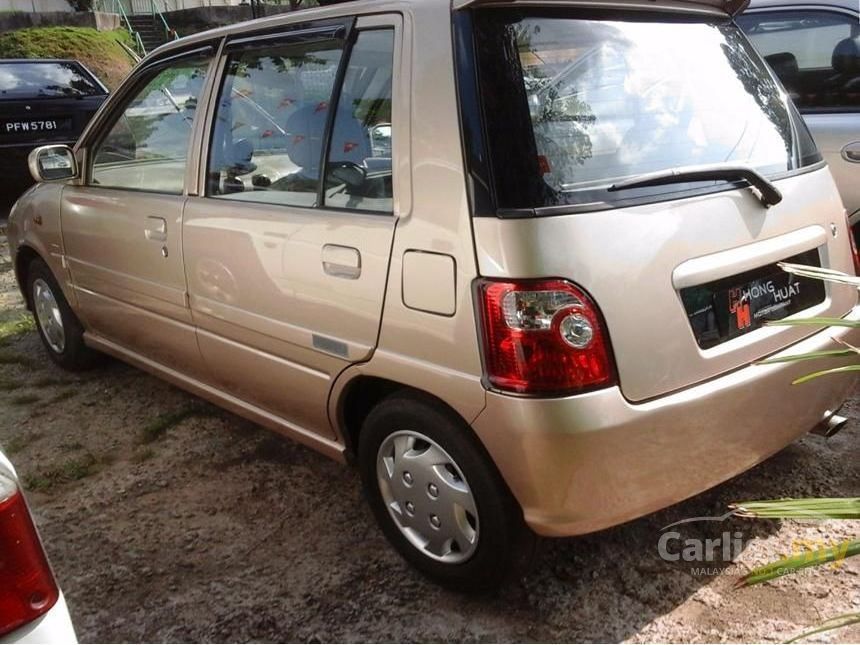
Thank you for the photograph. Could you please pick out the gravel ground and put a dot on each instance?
(169, 520)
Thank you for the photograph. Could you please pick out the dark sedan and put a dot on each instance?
(41, 101)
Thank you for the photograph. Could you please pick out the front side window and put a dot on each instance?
(147, 146)
(573, 104)
(815, 53)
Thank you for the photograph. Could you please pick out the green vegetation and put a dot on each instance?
(18, 443)
(161, 424)
(68, 471)
(8, 358)
(100, 51)
(8, 385)
(15, 325)
(25, 399)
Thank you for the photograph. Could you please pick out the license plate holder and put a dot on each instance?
(727, 308)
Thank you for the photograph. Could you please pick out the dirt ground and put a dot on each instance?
(169, 520)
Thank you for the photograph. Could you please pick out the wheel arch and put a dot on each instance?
(23, 258)
(361, 394)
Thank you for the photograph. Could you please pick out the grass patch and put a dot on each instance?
(68, 471)
(10, 358)
(17, 444)
(8, 385)
(17, 325)
(161, 424)
(25, 399)
(100, 51)
(142, 455)
(65, 395)
(48, 381)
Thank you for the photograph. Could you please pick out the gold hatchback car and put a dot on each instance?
(513, 258)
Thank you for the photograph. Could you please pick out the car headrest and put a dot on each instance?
(846, 56)
(305, 127)
(783, 63)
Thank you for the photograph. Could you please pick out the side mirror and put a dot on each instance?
(53, 163)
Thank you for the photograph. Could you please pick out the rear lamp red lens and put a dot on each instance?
(27, 586)
(543, 337)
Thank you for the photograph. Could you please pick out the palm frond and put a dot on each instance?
(828, 275)
(820, 322)
(828, 353)
(835, 370)
(823, 508)
(831, 623)
(791, 564)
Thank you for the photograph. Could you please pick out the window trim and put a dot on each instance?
(106, 119)
(854, 15)
(354, 25)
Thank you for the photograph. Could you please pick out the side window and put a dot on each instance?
(815, 53)
(147, 147)
(358, 173)
(270, 123)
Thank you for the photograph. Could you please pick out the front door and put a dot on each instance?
(122, 227)
(287, 251)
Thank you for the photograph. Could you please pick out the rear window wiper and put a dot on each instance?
(767, 192)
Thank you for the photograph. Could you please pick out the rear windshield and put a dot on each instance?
(573, 103)
(31, 80)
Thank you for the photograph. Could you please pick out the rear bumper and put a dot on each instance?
(584, 463)
(53, 627)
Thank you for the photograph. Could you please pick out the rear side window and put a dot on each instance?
(815, 53)
(36, 80)
(270, 123)
(275, 116)
(573, 103)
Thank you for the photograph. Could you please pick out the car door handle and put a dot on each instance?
(156, 229)
(851, 152)
(341, 261)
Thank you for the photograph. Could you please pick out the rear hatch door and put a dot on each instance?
(684, 274)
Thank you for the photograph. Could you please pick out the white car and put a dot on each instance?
(814, 48)
(32, 607)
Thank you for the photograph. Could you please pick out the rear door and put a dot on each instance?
(287, 250)
(122, 226)
(684, 272)
(815, 51)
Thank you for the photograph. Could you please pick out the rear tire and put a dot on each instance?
(438, 497)
(59, 328)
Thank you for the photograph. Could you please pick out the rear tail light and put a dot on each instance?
(27, 586)
(543, 337)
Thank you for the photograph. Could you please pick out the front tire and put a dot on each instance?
(438, 497)
(59, 328)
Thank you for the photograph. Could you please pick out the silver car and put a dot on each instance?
(814, 48)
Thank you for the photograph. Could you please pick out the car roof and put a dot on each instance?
(850, 5)
(340, 9)
(729, 6)
(39, 60)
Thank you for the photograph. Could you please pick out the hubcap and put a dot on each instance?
(427, 496)
(48, 315)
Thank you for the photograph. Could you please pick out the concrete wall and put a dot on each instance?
(34, 5)
(190, 21)
(19, 20)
